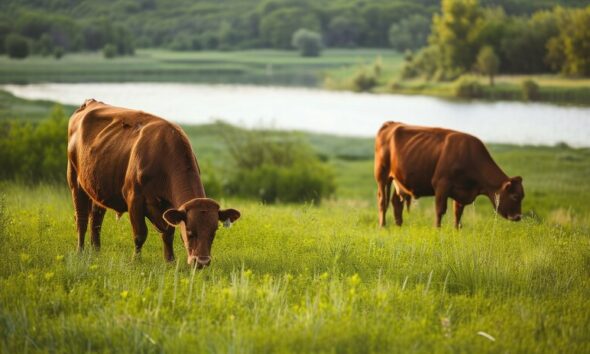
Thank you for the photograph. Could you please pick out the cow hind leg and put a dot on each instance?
(383, 195)
(398, 208)
(458, 213)
(97, 218)
(82, 210)
(441, 194)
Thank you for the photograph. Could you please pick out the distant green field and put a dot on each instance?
(305, 278)
(273, 67)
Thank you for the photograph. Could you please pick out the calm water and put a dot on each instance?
(341, 113)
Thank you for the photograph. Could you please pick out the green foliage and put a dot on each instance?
(454, 34)
(109, 51)
(17, 46)
(530, 90)
(58, 52)
(364, 81)
(277, 28)
(343, 31)
(424, 64)
(32, 152)
(466, 87)
(488, 63)
(308, 43)
(410, 33)
(274, 169)
(570, 49)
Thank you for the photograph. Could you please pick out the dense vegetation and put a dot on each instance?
(302, 278)
(548, 41)
(188, 25)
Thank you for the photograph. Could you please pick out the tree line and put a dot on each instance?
(467, 37)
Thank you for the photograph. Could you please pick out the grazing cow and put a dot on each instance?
(129, 160)
(424, 161)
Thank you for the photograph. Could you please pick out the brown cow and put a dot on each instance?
(424, 161)
(129, 160)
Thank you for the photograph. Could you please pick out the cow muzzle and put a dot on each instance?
(516, 217)
(199, 261)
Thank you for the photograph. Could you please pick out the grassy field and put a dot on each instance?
(304, 278)
(252, 66)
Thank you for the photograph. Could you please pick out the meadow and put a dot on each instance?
(264, 66)
(310, 278)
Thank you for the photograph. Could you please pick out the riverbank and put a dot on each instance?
(548, 88)
(336, 69)
(260, 67)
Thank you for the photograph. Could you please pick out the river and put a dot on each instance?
(342, 113)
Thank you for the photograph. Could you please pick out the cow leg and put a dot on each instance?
(168, 240)
(458, 213)
(82, 205)
(137, 216)
(398, 208)
(441, 193)
(167, 231)
(383, 195)
(97, 218)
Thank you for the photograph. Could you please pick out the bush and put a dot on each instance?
(275, 168)
(466, 87)
(35, 152)
(530, 90)
(109, 51)
(363, 81)
(58, 53)
(17, 46)
(308, 43)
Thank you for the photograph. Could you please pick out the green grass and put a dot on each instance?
(251, 66)
(299, 278)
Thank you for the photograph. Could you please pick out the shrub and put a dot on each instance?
(466, 87)
(35, 152)
(363, 81)
(17, 46)
(308, 43)
(58, 53)
(275, 168)
(109, 51)
(530, 90)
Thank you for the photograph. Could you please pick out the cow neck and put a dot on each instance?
(495, 178)
(186, 187)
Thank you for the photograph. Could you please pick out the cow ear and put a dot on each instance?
(229, 215)
(517, 179)
(174, 216)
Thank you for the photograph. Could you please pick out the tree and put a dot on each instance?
(342, 32)
(17, 46)
(570, 50)
(410, 33)
(488, 63)
(109, 51)
(308, 43)
(454, 34)
(277, 28)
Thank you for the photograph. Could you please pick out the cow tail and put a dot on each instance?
(408, 203)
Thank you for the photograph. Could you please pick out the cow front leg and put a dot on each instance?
(137, 216)
(458, 213)
(398, 208)
(82, 209)
(383, 194)
(97, 218)
(168, 240)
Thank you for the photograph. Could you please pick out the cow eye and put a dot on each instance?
(514, 197)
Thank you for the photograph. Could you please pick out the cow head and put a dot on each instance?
(509, 199)
(198, 220)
